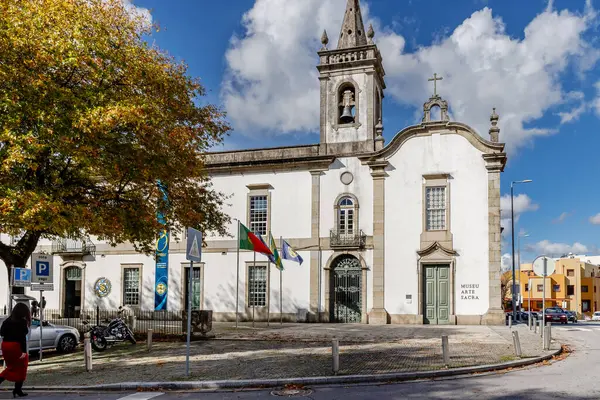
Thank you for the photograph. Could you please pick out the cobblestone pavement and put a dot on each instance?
(294, 350)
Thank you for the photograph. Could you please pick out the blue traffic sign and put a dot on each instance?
(21, 277)
(193, 248)
(42, 268)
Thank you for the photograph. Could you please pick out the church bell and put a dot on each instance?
(347, 116)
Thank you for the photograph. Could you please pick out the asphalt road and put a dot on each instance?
(577, 377)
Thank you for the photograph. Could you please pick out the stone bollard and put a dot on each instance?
(335, 354)
(87, 352)
(542, 328)
(517, 343)
(535, 325)
(149, 340)
(510, 322)
(445, 350)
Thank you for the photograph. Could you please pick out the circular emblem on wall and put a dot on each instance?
(347, 178)
(102, 287)
(161, 288)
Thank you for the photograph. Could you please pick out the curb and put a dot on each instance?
(270, 383)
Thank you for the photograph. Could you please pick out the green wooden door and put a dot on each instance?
(436, 296)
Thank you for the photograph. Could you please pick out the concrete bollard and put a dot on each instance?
(87, 352)
(542, 328)
(535, 325)
(510, 322)
(445, 350)
(335, 354)
(132, 320)
(149, 340)
(517, 343)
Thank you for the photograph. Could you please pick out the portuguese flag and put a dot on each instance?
(249, 241)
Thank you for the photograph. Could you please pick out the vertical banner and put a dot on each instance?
(161, 286)
(162, 272)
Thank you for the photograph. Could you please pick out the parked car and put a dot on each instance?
(571, 316)
(65, 339)
(596, 316)
(556, 315)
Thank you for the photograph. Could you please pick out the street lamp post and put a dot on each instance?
(519, 260)
(512, 221)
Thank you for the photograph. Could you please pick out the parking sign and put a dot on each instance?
(21, 277)
(42, 267)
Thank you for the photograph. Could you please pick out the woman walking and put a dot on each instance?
(14, 347)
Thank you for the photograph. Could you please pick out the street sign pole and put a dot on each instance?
(193, 253)
(189, 319)
(544, 300)
(41, 323)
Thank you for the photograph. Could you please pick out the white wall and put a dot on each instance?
(454, 155)
(290, 200)
(361, 187)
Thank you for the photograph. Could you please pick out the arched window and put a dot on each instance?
(346, 104)
(346, 222)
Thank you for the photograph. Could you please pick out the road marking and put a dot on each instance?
(141, 396)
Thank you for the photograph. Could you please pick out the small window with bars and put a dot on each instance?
(259, 206)
(257, 286)
(435, 202)
(131, 286)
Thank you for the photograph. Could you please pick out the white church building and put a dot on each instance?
(405, 232)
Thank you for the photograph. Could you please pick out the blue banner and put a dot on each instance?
(162, 272)
(161, 277)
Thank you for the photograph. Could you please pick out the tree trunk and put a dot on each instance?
(16, 256)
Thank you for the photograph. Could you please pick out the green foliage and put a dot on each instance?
(91, 116)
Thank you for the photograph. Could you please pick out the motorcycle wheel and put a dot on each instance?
(99, 343)
(131, 337)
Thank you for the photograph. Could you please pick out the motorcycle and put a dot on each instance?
(104, 336)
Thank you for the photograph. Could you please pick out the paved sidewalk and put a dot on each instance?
(291, 350)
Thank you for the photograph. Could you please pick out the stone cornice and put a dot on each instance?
(495, 162)
(436, 246)
(427, 129)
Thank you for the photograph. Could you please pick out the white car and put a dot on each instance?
(596, 316)
(65, 339)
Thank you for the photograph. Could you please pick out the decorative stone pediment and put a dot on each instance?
(435, 101)
(437, 252)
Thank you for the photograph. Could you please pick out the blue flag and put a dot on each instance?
(288, 253)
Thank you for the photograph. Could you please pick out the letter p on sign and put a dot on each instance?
(42, 268)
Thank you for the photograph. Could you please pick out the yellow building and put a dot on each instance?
(574, 285)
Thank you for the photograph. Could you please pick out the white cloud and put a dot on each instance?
(561, 218)
(271, 82)
(595, 219)
(596, 104)
(139, 12)
(545, 247)
(521, 204)
(506, 262)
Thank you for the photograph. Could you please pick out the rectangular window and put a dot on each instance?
(585, 305)
(584, 289)
(259, 214)
(436, 208)
(131, 286)
(556, 288)
(570, 272)
(538, 304)
(540, 288)
(527, 287)
(570, 290)
(257, 286)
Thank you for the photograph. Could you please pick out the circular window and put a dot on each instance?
(347, 178)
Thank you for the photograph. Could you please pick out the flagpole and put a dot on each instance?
(254, 288)
(280, 284)
(269, 292)
(237, 276)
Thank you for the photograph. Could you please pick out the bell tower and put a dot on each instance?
(351, 79)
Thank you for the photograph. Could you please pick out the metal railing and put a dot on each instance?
(73, 246)
(353, 240)
(161, 322)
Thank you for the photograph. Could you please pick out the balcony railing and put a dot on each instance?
(81, 247)
(349, 240)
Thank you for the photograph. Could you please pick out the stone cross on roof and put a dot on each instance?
(435, 79)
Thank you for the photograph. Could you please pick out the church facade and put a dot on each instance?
(400, 232)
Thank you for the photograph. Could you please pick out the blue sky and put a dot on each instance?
(536, 61)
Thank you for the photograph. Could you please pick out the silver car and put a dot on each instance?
(65, 339)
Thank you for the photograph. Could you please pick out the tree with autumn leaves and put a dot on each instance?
(91, 118)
